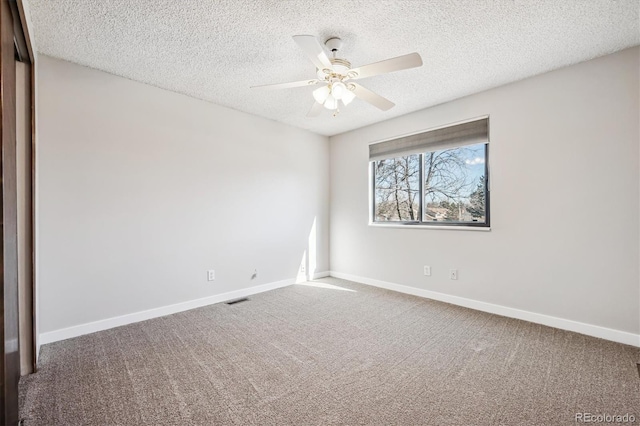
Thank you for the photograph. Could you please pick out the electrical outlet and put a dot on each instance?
(211, 275)
(303, 269)
(453, 274)
(427, 270)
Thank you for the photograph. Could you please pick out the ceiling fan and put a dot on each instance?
(337, 79)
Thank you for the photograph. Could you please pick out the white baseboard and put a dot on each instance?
(322, 274)
(92, 327)
(561, 323)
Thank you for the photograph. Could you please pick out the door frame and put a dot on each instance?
(14, 46)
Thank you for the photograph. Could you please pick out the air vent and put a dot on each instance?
(233, 302)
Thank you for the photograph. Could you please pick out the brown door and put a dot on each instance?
(9, 228)
(12, 48)
(25, 214)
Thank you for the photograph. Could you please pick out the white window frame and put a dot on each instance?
(421, 224)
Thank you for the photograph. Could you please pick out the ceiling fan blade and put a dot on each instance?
(315, 110)
(373, 98)
(314, 51)
(286, 85)
(404, 62)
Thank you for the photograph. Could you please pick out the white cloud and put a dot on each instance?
(475, 161)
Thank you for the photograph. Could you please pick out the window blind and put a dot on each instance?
(469, 133)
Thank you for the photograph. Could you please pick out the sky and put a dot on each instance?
(474, 158)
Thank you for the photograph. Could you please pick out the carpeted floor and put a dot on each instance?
(331, 352)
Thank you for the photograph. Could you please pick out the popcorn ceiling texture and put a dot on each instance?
(215, 50)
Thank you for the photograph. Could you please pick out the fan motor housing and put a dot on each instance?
(341, 65)
(340, 70)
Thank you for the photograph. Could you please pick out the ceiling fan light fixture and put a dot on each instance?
(321, 94)
(323, 73)
(331, 102)
(335, 75)
(338, 89)
(348, 97)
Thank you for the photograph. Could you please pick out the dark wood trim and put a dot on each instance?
(9, 273)
(32, 93)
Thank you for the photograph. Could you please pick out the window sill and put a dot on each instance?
(438, 227)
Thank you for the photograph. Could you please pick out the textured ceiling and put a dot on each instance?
(215, 50)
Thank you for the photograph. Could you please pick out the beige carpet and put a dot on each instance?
(327, 353)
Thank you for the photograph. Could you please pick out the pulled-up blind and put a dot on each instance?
(469, 133)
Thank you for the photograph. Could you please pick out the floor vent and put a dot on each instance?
(638, 365)
(233, 302)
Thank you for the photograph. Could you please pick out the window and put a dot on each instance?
(443, 183)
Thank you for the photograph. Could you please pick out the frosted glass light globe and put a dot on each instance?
(321, 94)
(331, 103)
(348, 97)
(338, 90)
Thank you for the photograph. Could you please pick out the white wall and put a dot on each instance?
(141, 190)
(564, 167)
